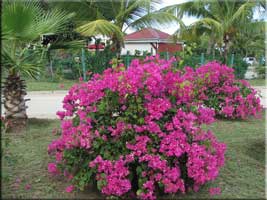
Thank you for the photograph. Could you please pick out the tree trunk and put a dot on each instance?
(116, 45)
(210, 45)
(226, 40)
(14, 103)
(213, 51)
(224, 55)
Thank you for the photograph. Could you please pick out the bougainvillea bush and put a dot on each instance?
(137, 131)
(217, 88)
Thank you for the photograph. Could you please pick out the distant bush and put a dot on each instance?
(216, 86)
(194, 60)
(261, 69)
(97, 62)
(240, 68)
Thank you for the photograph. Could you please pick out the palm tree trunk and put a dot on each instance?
(210, 45)
(225, 55)
(14, 102)
(116, 45)
(213, 51)
(226, 40)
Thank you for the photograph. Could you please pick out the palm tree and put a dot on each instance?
(250, 40)
(221, 20)
(113, 17)
(23, 22)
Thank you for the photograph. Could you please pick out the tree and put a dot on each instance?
(221, 20)
(113, 17)
(250, 40)
(23, 22)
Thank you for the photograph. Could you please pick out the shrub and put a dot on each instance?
(137, 130)
(240, 67)
(98, 61)
(261, 70)
(217, 88)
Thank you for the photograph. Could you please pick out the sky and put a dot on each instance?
(187, 20)
(172, 28)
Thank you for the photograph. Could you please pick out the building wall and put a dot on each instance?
(171, 48)
(137, 46)
(163, 47)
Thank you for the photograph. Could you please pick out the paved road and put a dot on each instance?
(262, 90)
(45, 104)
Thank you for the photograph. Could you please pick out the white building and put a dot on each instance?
(150, 40)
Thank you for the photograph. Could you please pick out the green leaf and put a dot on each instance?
(139, 100)
(160, 184)
(138, 192)
(102, 106)
(76, 121)
(96, 144)
(107, 155)
(103, 175)
(141, 120)
(100, 184)
(102, 27)
(139, 170)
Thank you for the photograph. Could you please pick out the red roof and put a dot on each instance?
(147, 33)
(93, 46)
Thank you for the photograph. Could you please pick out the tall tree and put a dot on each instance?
(23, 22)
(249, 41)
(113, 17)
(222, 20)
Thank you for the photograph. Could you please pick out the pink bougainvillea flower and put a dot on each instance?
(17, 183)
(54, 131)
(88, 72)
(2, 118)
(61, 86)
(69, 188)
(18, 180)
(28, 187)
(61, 114)
(59, 156)
(123, 107)
(52, 168)
(215, 191)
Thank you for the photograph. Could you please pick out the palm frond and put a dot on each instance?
(196, 8)
(18, 17)
(7, 60)
(53, 21)
(133, 7)
(76, 44)
(28, 62)
(156, 19)
(100, 27)
(242, 12)
(84, 10)
(26, 21)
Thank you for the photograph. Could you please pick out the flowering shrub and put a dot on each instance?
(137, 130)
(217, 88)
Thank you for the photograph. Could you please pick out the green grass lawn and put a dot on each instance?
(257, 82)
(42, 85)
(25, 158)
(33, 85)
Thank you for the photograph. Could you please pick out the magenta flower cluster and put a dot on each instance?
(231, 98)
(139, 129)
(114, 174)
